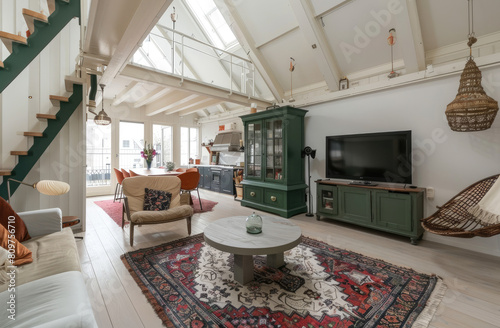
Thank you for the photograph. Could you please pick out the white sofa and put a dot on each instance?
(50, 291)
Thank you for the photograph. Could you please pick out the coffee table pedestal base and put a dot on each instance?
(243, 268)
(275, 260)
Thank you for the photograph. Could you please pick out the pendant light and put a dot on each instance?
(472, 109)
(102, 118)
(391, 40)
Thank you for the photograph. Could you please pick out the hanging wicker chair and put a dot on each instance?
(453, 218)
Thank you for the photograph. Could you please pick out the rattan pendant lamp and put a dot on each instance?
(472, 109)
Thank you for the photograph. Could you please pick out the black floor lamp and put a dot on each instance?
(309, 152)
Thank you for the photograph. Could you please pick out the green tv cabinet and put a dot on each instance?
(395, 210)
(274, 179)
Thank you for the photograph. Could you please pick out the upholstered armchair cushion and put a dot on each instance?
(134, 189)
(145, 217)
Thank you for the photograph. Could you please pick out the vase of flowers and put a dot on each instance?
(148, 153)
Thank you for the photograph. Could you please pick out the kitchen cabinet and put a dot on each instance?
(217, 178)
(274, 178)
(227, 182)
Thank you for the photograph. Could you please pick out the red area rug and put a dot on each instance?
(190, 284)
(114, 209)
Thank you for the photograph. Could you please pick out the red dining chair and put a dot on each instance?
(118, 188)
(133, 174)
(189, 182)
(180, 169)
(193, 169)
(126, 174)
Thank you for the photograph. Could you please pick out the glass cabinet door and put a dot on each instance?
(274, 150)
(253, 161)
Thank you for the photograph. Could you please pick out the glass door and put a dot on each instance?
(99, 171)
(131, 145)
(274, 150)
(162, 142)
(253, 161)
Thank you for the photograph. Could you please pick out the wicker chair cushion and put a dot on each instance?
(173, 214)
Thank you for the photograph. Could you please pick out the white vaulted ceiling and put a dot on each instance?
(327, 39)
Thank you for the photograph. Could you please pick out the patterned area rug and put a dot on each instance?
(114, 209)
(190, 284)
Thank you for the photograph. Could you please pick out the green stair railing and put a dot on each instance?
(22, 55)
(40, 144)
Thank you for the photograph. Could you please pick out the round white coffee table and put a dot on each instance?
(230, 235)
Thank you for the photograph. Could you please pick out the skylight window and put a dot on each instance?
(213, 23)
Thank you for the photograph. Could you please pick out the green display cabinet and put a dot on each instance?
(274, 178)
(394, 210)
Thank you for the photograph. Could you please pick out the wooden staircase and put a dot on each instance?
(42, 30)
(26, 159)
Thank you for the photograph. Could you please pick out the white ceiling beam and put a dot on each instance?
(414, 52)
(145, 18)
(222, 108)
(144, 74)
(166, 102)
(315, 36)
(194, 105)
(90, 24)
(152, 96)
(125, 93)
(199, 107)
(239, 29)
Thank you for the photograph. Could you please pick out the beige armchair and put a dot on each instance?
(134, 190)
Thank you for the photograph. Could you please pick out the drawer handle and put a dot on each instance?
(273, 198)
(252, 194)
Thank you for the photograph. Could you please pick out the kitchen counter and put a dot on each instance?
(222, 166)
(218, 178)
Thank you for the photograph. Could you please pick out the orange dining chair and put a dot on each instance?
(189, 182)
(193, 169)
(118, 188)
(126, 174)
(180, 169)
(133, 174)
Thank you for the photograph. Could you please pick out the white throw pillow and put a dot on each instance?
(5, 266)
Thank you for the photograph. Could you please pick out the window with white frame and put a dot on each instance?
(190, 144)
(162, 142)
(214, 24)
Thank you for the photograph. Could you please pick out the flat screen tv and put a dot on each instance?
(383, 157)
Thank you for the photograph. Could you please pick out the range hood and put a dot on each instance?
(227, 141)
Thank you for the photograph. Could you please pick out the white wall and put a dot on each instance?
(28, 95)
(446, 160)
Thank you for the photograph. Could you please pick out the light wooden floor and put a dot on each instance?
(471, 300)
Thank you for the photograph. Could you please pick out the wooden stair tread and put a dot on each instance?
(52, 5)
(19, 152)
(56, 100)
(30, 16)
(8, 38)
(46, 116)
(5, 172)
(33, 134)
(69, 80)
(1, 64)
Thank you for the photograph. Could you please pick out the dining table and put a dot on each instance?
(155, 172)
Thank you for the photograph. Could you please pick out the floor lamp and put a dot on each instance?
(46, 187)
(309, 152)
